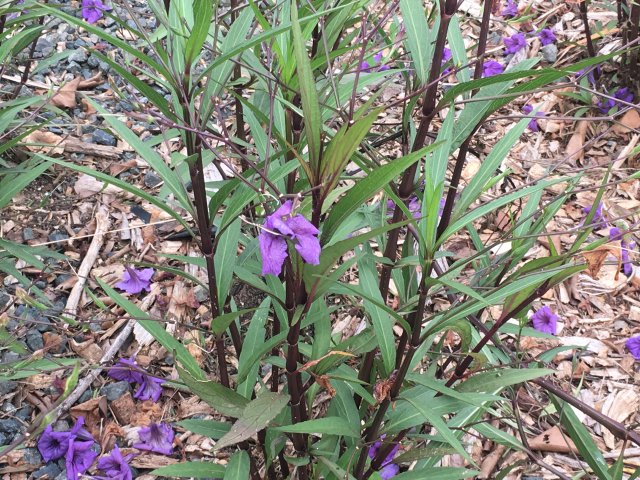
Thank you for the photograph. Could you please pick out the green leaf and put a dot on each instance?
(208, 428)
(308, 95)
(255, 416)
(238, 467)
(202, 12)
(326, 425)
(253, 339)
(245, 368)
(191, 469)
(581, 437)
(11, 185)
(217, 396)
(498, 436)
(28, 367)
(418, 39)
(437, 473)
(222, 322)
(225, 259)
(157, 331)
(366, 188)
(436, 421)
(381, 321)
(500, 378)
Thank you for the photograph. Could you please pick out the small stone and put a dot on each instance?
(50, 470)
(169, 360)
(549, 52)
(59, 237)
(113, 391)
(10, 426)
(32, 456)
(60, 279)
(43, 323)
(93, 62)
(34, 340)
(7, 387)
(4, 440)
(79, 56)
(27, 234)
(44, 46)
(151, 180)
(201, 294)
(103, 138)
(24, 413)
(9, 357)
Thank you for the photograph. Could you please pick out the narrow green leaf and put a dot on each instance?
(437, 473)
(191, 469)
(208, 428)
(11, 185)
(418, 41)
(202, 12)
(500, 378)
(221, 322)
(326, 426)
(238, 467)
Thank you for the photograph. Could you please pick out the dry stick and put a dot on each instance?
(587, 32)
(73, 397)
(102, 226)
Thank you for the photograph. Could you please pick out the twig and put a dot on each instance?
(102, 225)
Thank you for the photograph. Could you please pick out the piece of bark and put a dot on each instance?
(74, 145)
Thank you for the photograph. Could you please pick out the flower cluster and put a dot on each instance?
(389, 469)
(598, 216)
(546, 36)
(280, 226)
(135, 281)
(514, 43)
(76, 445)
(619, 96)
(93, 10)
(148, 386)
(491, 68)
(545, 321)
(377, 58)
(157, 437)
(510, 10)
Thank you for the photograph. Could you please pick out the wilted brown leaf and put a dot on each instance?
(42, 138)
(66, 95)
(595, 258)
(553, 440)
(574, 150)
(93, 411)
(124, 408)
(628, 122)
(87, 350)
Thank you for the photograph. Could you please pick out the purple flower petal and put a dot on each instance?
(93, 10)
(598, 216)
(53, 445)
(491, 68)
(274, 252)
(533, 123)
(515, 43)
(115, 465)
(126, 369)
(545, 321)
(149, 388)
(135, 281)
(546, 36)
(510, 10)
(79, 458)
(389, 471)
(633, 345)
(157, 437)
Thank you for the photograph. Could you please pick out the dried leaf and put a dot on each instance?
(90, 82)
(553, 440)
(574, 150)
(41, 138)
(629, 121)
(619, 407)
(65, 97)
(87, 350)
(595, 258)
(86, 186)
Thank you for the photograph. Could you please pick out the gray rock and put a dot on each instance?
(50, 470)
(549, 52)
(8, 357)
(60, 279)
(32, 456)
(103, 138)
(93, 62)
(34, 340)
(58, 236)
(7, 387)
(10, 426)
(24, 413)
(4, 299)
(44, 46)
(4, 440)
(114, 391)
(151, 180)
(27, 234)
(79, 56)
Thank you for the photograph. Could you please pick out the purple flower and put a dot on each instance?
(622, 95)
(598, 216)
(511, 10)
(544, 320)
(388, 469)
(79, 458)
(134, 281)
(546, 36)
(157, 437)
(627, 267)
(281, 225)
(491, 68)
(590, 73)
(149, 388)
(53, 445)
(615, 234)
(377, 58)
(413, 206)
(514, 43)
(533, 123)
(77, 432)
(446, 56)
(115, 465)
(364, 67)
(633, 345)
(93, 10)
(126, 369)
